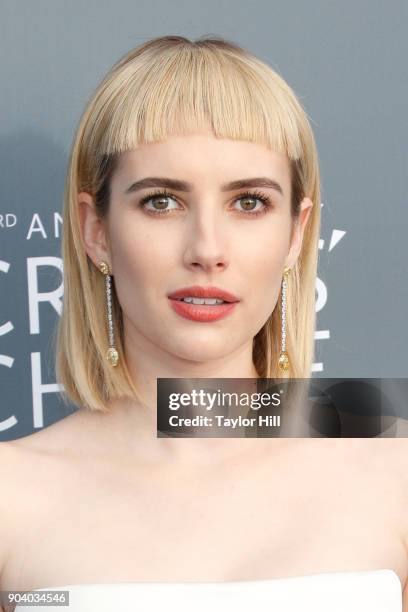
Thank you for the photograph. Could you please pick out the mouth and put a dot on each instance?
(203, 304)
(204, 313)
(201, 301)
(209, 296)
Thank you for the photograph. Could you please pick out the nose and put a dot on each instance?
(206, 242)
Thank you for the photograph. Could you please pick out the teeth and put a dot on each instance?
(209, 301)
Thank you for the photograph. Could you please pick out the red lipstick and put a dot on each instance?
(205, 313)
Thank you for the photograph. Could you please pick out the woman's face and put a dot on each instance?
(210, 235)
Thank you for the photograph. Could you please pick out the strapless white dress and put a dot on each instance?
(350, 591)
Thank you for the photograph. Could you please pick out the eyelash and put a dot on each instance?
(247, 194)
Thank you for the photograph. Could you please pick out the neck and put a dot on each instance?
(138, 420)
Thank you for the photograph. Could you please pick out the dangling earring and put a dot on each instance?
(283, 361)
(112, 354)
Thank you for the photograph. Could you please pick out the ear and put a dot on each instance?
(94, 235)
(298, 231)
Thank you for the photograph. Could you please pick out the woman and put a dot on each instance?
(194, 166)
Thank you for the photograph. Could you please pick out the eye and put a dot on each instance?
(160, 199)
(248, 202)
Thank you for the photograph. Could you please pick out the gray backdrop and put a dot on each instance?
(347, 63)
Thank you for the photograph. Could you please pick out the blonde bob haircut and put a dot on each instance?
(167, 86)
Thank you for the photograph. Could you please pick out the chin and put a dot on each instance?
(200, 351)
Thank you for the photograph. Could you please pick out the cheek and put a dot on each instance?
(260, 265)
(137, 258)
(261, 255)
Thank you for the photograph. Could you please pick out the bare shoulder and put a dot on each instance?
(397, 455)
(9, 471)
(389, 458)
(23, 460)
(32, 465)
(381, 464)
(387, 455)
(10, 468)
(392, 454)
(64, 437)
(50, 437)
(28, 464)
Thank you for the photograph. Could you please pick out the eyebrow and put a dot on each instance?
(177, 185)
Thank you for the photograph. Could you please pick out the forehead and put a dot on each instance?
(201, 157)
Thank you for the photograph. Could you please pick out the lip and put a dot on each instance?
(204, 292)
(202, 312)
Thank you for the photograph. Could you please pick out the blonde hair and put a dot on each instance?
(171, 86)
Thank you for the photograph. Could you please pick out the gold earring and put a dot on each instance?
(112, 354)
(283, 362)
